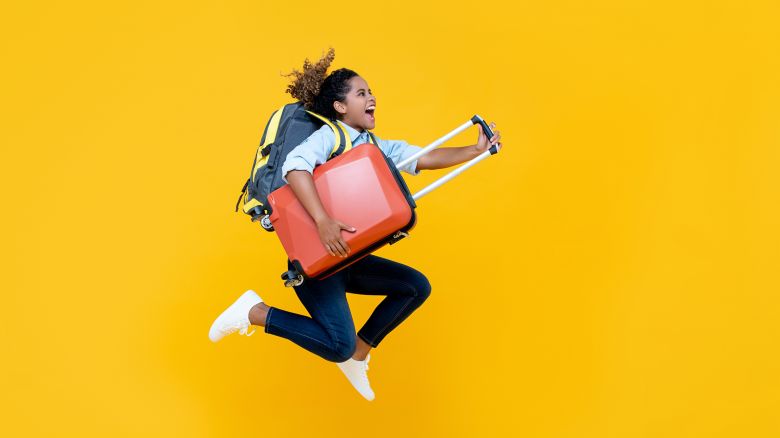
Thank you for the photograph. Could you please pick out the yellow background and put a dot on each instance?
(612, 273)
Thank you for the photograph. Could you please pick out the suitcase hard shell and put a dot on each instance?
(361, 188)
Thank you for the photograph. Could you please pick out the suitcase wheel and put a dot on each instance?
(265, 222)
(292, 279)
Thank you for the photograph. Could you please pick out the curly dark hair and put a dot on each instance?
(318, 92)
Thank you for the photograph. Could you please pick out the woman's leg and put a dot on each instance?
(329, 333)
(405, 287)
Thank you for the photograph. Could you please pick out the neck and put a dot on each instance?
(356, 129)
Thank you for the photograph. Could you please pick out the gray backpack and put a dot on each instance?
(288, 127)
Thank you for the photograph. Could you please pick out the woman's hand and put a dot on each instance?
(330, 236)
(482, 142)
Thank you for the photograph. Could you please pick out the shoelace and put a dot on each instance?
(365, 365)
(244, 330)
(241, 326)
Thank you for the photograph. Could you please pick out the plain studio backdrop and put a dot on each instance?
(613, 272)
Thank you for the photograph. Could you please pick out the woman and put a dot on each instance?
(344, 97)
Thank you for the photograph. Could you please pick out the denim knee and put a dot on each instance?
(344, 349)
(422, 287)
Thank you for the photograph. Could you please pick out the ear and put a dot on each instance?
(339, 107)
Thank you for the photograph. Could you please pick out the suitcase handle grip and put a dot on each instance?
(477, 120)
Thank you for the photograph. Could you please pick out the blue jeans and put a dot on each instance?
(330, 332)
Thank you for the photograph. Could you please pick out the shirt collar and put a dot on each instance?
(353, 133)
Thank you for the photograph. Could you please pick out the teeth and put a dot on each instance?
(371, 108)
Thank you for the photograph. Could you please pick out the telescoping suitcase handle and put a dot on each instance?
(476, 120)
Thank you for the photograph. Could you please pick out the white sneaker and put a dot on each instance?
(355, 370)
(235, 317)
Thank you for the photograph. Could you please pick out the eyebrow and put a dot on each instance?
(363, 89)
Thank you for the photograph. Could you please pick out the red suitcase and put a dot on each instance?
(361, 188)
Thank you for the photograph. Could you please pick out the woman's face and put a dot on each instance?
(357, 109)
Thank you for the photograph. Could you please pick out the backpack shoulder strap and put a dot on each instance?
(347, 144)
(371, 138)
(341, 135)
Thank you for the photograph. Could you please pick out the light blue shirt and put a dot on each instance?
(317, 147)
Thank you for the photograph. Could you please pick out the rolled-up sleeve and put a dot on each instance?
(310, 153)
(399, 150)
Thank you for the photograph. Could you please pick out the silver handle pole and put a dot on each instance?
(435, 144)
(450, 175)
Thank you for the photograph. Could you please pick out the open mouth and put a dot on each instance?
(370, 112)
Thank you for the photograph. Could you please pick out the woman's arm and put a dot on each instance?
(296, 171)
(446, 157)
(302, 185)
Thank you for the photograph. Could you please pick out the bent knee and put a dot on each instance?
(422, 287)
(344, 349)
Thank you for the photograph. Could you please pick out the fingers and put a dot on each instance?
(337, 249)
(496, 134)
(340, 247)
(330, 251)
(496, 137)
(333, 241)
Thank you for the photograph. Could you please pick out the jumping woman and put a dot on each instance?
(344, 97)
